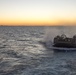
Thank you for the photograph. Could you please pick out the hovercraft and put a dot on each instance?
(64, 41)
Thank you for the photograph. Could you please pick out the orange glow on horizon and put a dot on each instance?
(37, 22)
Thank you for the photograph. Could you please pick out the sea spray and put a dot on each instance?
(50, 33)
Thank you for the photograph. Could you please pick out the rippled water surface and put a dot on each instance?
(22, 54)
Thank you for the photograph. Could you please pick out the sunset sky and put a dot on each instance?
(37, 12)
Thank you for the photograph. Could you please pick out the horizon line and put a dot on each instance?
(40, 25)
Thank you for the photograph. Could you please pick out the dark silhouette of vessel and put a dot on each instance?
(64, 41)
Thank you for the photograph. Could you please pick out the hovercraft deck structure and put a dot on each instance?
(64, 42)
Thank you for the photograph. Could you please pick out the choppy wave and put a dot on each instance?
(22, 54)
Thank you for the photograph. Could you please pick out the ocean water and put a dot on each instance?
(22, 54)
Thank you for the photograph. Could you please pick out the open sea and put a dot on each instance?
(22, 54)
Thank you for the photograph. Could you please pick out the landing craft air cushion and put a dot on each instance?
(64, 41)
